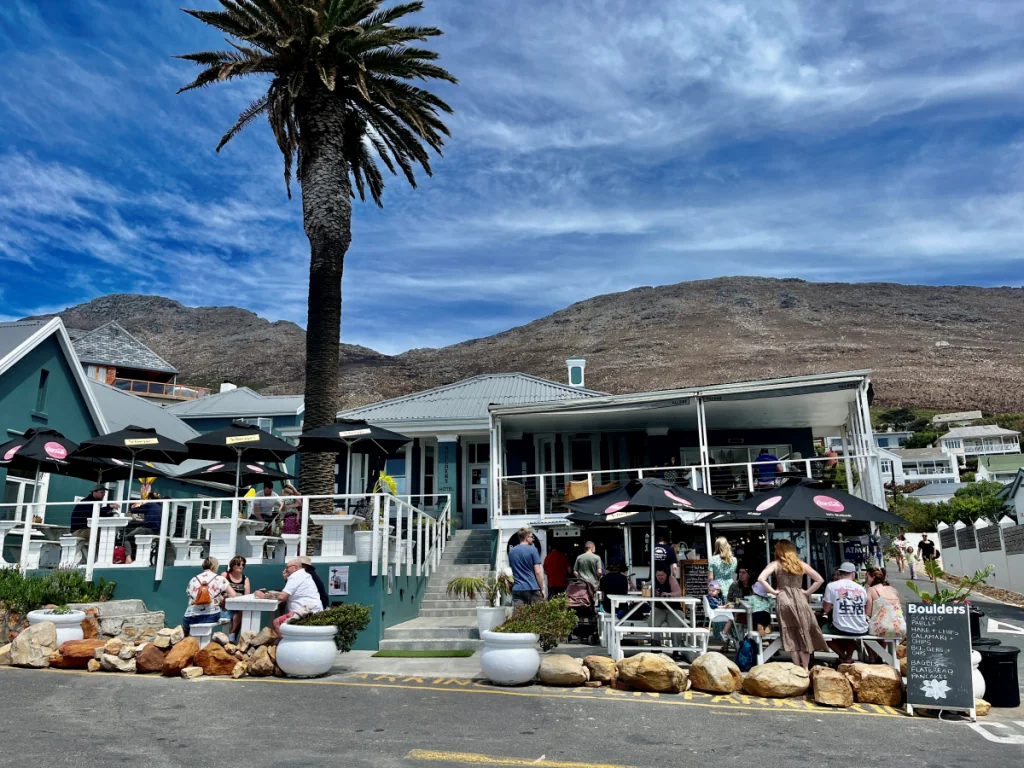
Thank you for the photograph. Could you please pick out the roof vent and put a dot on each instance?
(577, 368)
(227, 386)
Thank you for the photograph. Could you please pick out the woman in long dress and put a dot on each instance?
(800, 633)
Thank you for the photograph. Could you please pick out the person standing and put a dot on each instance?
(847, 605)
(264, 505)
(901, 551)
(665, 558)
(527, 571)
(911, 556)
(588, 565)
(800, 633)
(556, 568)
(722, 565)
(926, 549)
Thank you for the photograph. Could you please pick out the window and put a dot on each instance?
(883, 442)
(429, 470)
(17, 490)
(479, 453)
(263, 423)
(44, 377)
(886, 466)
(396, 468)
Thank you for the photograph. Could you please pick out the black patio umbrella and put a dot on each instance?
(351, 435)
(648, 500)
(134, 444)
(109, 470)
(236, 440)
(229, 472)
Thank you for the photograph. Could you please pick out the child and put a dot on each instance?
(911, 562)
(720, 625)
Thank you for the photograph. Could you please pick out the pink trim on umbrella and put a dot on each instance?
(255, 467)
(768, 503)
(611, 510)
(678, 499)
(118, 462)
(214, 468)
(55, 451)
(10, 454)
(829, 504)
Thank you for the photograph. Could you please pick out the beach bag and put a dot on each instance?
(746, 656)
(119, 555)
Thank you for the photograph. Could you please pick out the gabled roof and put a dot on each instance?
(1009, 462)
(938, 489)
(985, 430)
(912, 454)
(469, 399)
(1009, 490)
(239, 403)
(945, 418)
(111, 344)
(19, 338)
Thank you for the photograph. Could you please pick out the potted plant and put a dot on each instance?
(310, 644)
(510, 655)
(363, 532)
(493, 590)
(67, 620)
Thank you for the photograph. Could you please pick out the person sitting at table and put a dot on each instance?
(81, 514)
(292, 510)
(847, 605)
(720, 625)
(204, 593)
(741, 589)
(800, 633)
(614, 582)
(761, 605)
(300, 593)
(666, 586)
(150, 512)
(264, 505)
(766, 468)
(238, 586)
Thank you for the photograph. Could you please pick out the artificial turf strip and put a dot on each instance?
(423, 654)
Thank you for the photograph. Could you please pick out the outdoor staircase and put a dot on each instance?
(444, 623)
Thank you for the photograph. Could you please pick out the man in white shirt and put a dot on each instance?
(848, 606)
(299, 591)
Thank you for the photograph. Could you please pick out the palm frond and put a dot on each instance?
(254, 110)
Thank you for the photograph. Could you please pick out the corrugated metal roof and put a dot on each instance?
(241, 402)
(111, 344)
(919, 453)
(468, 400)
(986, 430)
(13, 335)
(938, 489)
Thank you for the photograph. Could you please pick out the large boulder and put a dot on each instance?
(180, 656)
(653, 672)
(220, 638)
(215, 660)
(112, 663)
(5, 655)
(150, 659)
(265, 636)
(75, 654)
(777, 680)
(831, 688)
(874, 683)
(33, 646)
(562, 669)
(602, 669)
(714, 673)
(90, 627)
(260, 665)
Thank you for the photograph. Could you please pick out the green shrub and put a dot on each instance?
(552, 621)
(20, 594)
(350, 619)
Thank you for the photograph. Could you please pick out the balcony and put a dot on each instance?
(161, 390)
(989, 447)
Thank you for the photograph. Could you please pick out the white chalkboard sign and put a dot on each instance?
(939, 657)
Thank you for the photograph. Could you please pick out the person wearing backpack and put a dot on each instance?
(204, 592)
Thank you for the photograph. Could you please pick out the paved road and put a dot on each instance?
(69, 719)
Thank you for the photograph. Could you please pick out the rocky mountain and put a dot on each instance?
(954, 347)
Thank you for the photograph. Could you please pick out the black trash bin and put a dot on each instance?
(999, 668)
(977, 643)
(976, 617)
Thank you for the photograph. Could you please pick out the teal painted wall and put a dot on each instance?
(169, 595)
(65, 411)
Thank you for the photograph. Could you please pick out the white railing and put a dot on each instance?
(402, 535)
(539, 494)
(973, 448)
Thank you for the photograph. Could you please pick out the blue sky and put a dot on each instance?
(597, 145)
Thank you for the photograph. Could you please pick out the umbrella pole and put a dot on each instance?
(348, 473)
(26, 524)
(128, 491)
(652, 568)
(767, 542)
(233, 530)
(807, 541)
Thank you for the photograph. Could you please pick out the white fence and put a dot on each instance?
(968, 548)
(398, 534)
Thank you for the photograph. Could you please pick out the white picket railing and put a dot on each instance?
(420, 537)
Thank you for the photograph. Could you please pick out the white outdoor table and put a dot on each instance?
(688, 618)
(220, 535)
(337, 529)
(5, 527)
(108, 528)
(43, 547)
(251, 608)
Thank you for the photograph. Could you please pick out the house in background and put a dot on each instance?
(962, 419)
(936, 493)
(280, 415)
(889, 439)
(112, 355)
(1013, 497)
(985, 440)
(900, 466)
(1000, 469)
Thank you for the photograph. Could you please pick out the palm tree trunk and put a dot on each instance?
(327, 219)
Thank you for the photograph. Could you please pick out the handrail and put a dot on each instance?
(161, 389)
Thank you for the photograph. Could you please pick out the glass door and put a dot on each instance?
(479, 498)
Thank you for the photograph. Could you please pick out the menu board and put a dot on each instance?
(989, 539)
(695, 578)
(939, 656)
(947, 538)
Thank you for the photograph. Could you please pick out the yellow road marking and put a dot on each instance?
(471, 758)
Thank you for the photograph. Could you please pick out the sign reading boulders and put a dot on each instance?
(939, 657)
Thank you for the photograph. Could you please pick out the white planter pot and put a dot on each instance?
(306, 651)
(69, 625)
(976, 676)
(510, 658)
(364, 546)
(490, 618)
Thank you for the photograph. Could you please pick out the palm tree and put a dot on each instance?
(339, 100)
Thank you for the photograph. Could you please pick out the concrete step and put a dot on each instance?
(465, 560)
(446, 613)
(431, 644)
(452, 570)
(435, 633)
(452, 603)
